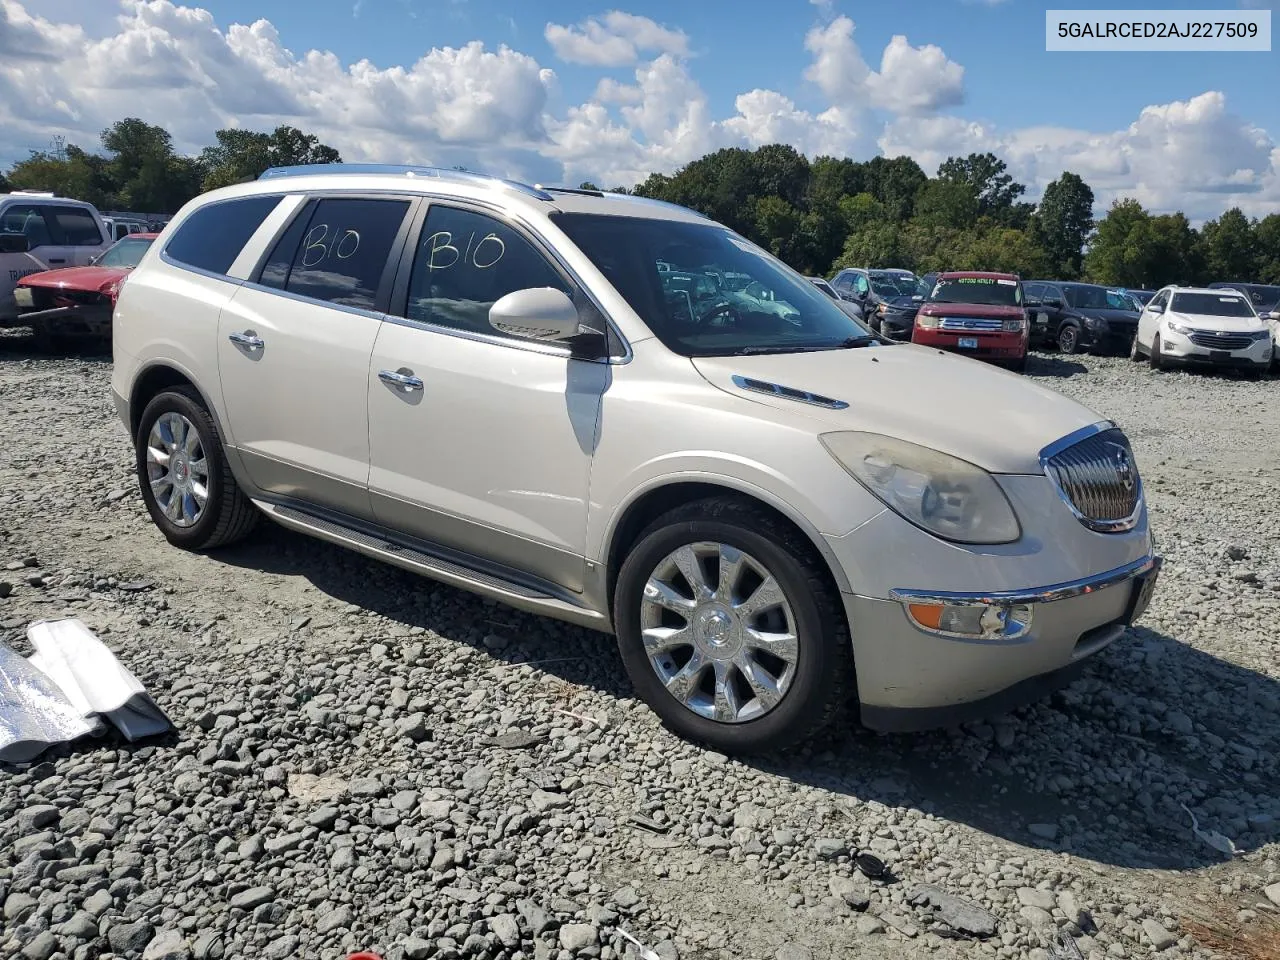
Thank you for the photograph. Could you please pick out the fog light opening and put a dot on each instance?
(975, 621)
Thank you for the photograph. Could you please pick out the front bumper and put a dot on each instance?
(911, 678)
(987, 345)
(1176, 348)
(1113, 338)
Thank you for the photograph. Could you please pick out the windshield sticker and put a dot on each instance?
(1007, 283)
(1230, 299)
(988, 281)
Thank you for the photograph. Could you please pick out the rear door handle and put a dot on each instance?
(247, 339)
(63, 260)
(401, 380)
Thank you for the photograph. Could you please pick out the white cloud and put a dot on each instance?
(1191, 155)
(500, 110)
(615, 40)
(918, 80)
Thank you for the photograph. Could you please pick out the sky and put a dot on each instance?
(568, 90)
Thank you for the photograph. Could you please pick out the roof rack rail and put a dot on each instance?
(583, 191)
(407, 170)
(660, 203)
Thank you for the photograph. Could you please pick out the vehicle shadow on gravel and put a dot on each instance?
(1053, 365)
(25, 346)
(1102, 765)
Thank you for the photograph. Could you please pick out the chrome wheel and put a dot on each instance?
(719, 632)
(177, 469)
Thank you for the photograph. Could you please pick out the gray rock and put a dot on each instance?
(1160, 938)
(1044, 899)
(129, 939)
(1036, 917)
(167, 945)
(36, 817)
(253, 897)
(537, 918)
(793, 951)
(955, 912)
(414, 727)
(851, 892)
(577, 936)
(476, 779)
(506, 929)
(626, 897)
(339, 919)
(282, 948)
(1273, 893)
(18, 906)
(866, 926)
(1179, 722)
(416, 949)
(208, 946)
(366, 787)
(323, 818)
(543, 801)
(97, 902)
(829, 848)
(283, 844)
(82, 925)
(42, 947)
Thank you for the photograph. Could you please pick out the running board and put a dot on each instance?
(455, 572)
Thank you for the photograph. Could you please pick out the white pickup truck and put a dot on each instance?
(41, 231)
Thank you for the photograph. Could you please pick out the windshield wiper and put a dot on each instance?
(761, 349)
(863, 341)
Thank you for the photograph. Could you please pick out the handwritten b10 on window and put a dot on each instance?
(318, 247)
(482, 255)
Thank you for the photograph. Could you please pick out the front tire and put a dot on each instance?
(1156, 362)
(730, 628)
(184, 476)
(1135, 350)
(1068, 338)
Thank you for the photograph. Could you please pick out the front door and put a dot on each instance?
(480, 441)
(293, 352)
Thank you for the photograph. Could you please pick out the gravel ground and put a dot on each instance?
(367, 760)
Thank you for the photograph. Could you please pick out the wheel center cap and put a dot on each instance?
(180, 469)
(716, 632)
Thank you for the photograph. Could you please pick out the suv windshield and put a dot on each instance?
(126, 253)
(1211, 305)
(997, 291)
(705, 291)
(893, 285)
(1091, 297)
(1261, 295)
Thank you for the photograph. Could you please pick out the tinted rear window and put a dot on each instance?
(213, 236)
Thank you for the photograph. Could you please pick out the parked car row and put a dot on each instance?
(998, 317)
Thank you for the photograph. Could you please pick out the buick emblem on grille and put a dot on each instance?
(1123, 463)
(1223, 333)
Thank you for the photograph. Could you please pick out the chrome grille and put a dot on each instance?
(1098, 478)
(1216, 341)
(969, 323)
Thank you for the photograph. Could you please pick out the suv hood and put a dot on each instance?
(1203, 322)
(995, 419)
(1111, 316)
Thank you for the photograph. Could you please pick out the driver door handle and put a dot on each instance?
(404, 381)
(249, 340)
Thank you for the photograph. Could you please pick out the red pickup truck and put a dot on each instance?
(976, 313)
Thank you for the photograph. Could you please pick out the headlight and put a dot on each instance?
(1180, 328)
(1095, 323)
(948, 497)
(1014, 326)
(926, 322)
(1260, 335)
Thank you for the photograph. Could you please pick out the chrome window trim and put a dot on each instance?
(550, 347)
(299, 298)
(1049, 594)
(1120, 525)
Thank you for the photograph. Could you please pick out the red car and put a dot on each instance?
(79, 300)
(980, 314)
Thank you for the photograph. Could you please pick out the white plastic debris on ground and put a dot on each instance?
(65, 690)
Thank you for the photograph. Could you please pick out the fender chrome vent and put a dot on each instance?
(790, 393)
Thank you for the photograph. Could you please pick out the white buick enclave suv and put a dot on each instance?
(621, 414)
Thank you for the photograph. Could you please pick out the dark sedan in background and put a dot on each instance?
(1080, 316)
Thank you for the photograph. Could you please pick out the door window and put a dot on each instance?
(341, 254)
(212, 237)
(26, 219)
(465, 262)
(75, 225)
(1032, 294)
(1160, 299)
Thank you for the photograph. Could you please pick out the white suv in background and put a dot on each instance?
(559, 399)
(40, 231)
(1193, 325)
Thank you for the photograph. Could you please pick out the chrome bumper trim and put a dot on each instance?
(1059, 591)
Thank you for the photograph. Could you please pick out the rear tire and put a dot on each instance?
(1156, 362)
(758, 579)
(1135, 350)
(184, 476)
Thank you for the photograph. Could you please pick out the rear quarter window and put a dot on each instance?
(212, 237)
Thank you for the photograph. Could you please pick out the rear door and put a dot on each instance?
(294, 347)
(76, 232)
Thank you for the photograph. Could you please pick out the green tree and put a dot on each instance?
(1228, 245)
(587, 185)
(1172, 251)
(943, 203)
(4, 184)
(993, 187)
(776, 228)
(241, 155)
(1062, 223)
(877, 244)
(894, 182)
(1267, 234)
(1116, 255)
(147, 174)
(77, 174)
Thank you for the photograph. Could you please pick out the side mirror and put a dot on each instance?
(1273, 315)
(14, 243)
(1155, 308)
(538, 313)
